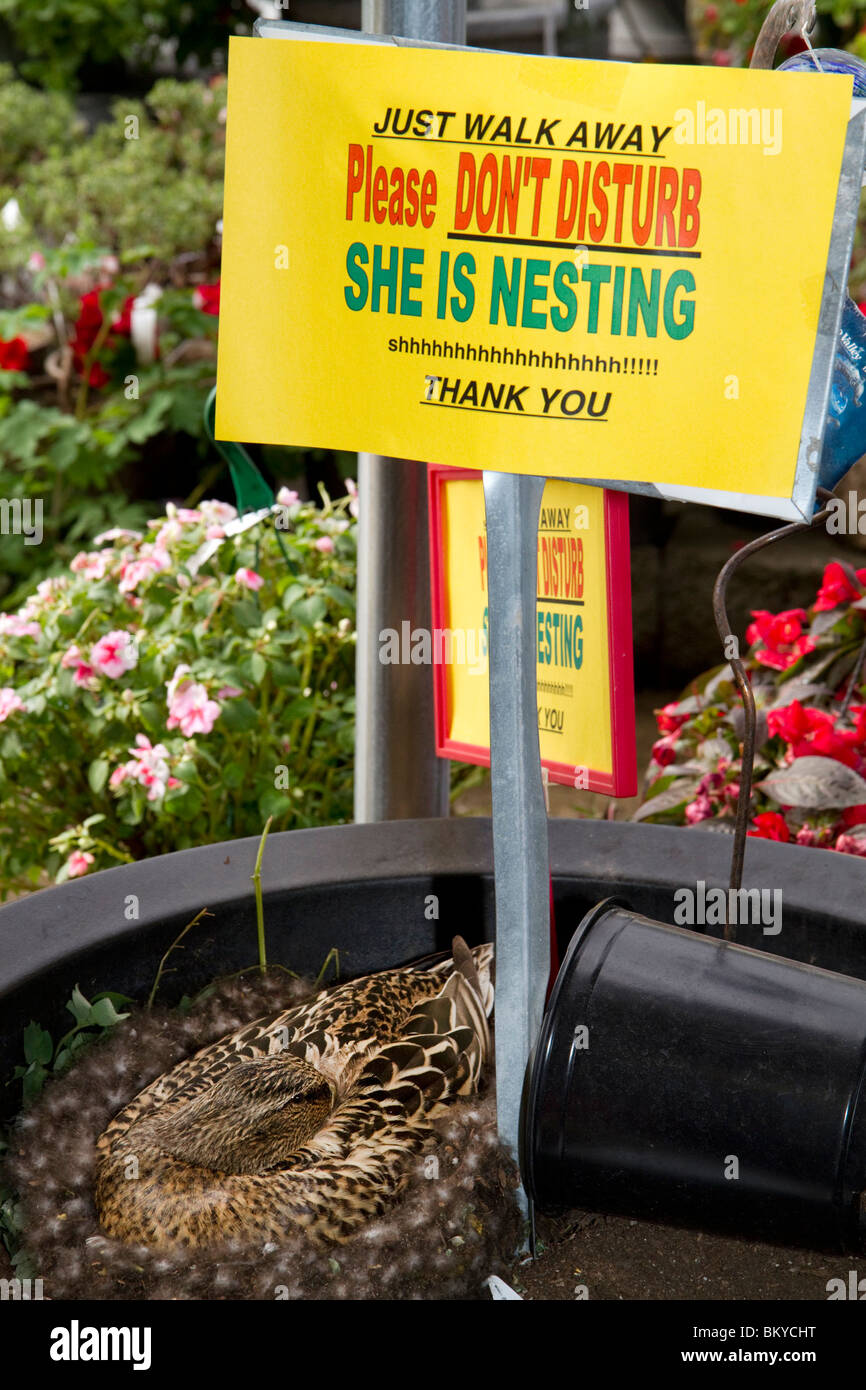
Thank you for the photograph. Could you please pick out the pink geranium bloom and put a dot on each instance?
(199, 713)
(150, 561)
(91, 564)
(117, 533)
(217, 513)
(13, 625)
(287, 497)
(248, 579)
(325, 544)
(9, 702)
(228, 692)
(78, 863)
(114, 654)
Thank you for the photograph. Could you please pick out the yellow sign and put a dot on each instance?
(585, 689)
(589, 269)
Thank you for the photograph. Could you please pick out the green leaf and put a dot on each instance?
(274, 803)
(97, 774)
(104, 1013)
(233, 775)
(816, 784)
(79, 1007)
(310, 610)
(238, 715)
(38, 1046)
(258, 667)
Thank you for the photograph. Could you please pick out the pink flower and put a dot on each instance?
(15, 626)
(9, 702)
(287, 497)
(36, 261)
(114, 654)
(72, 657)
(217, 513)
(199, 714)
(78, 863)
(148, 766)
(188, 705)
(325, 544)
(151, 560)
(228, 692)
(91, 564)
(214, 533)
(248, 579)
(352, 489)
(117, 533)
(699, 809)
(851, 844)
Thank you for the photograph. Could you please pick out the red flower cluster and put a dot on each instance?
(813, 731)
(782, 636)
(837, 587)
(14, 356)
(88, 326)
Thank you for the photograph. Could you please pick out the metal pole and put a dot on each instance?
(397, 773)
(521, 860)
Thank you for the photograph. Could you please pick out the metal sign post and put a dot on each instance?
(520, 851)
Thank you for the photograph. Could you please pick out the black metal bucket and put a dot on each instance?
(690, 1080)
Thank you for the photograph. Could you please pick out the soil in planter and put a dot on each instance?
(587, 1255)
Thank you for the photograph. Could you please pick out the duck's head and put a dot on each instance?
(250, 1120)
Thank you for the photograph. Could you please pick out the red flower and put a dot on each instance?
(667, 720)
(853, 815)
(711, 14)
(781, 636)
(14, 356)
(664, 750)
(794, 723)
(837, 588)
(770, 825)
(828, 743)
(207, 298)
(851, 844)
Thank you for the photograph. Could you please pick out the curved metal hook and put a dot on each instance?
(744, 685)
(786, 17)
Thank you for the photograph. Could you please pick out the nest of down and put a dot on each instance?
(455, 1223)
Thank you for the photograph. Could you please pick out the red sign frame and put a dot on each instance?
(621, 781)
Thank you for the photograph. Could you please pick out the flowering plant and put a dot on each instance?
(807, 676)
(178, 686)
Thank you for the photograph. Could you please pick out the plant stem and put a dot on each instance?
(197, 918)
(257, 884)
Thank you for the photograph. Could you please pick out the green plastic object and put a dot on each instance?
(251, 490)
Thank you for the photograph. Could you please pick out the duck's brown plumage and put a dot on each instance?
(305, 1118)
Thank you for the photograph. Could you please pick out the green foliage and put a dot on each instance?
(43, 1058)
(233, 701)
(147, 183)
(57, 38)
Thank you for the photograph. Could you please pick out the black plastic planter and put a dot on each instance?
(683, 1078)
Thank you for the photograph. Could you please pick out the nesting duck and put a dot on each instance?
(303, 1119)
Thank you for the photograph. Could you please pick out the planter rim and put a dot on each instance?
(63, 921)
